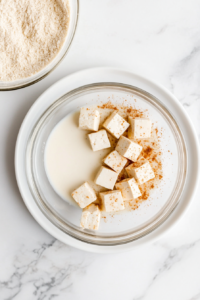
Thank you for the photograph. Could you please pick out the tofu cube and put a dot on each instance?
(140, 128)
(143, 173)
(90, 218)
(112, 201)
(128, 188)
(128, 148)
(106, 178)
(115, 161)
(115, 124)
(84, 219)
(89, 119)
(99, 140)
(84, 195)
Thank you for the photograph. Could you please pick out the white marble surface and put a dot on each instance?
(159, 39)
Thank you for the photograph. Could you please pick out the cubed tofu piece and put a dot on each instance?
(99, 140)
(115, 124)
(84, 195)
(129, 189)
(89, 119)
(128, 148)
(84, 219)
(106, 178)
(140, 128)
(90, 218)
(112, 201)
(115, 161)
(143, 173)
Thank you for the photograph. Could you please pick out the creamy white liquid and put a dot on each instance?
(69, 159)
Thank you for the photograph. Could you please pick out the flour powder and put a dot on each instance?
(31, 34)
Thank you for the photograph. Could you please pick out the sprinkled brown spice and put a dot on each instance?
(147, 151)
(124, 110)
(151, 152)
(145, 195)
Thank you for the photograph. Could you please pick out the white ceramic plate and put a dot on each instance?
(96, 76)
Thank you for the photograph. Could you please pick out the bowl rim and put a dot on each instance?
(115, 74)
(24, 85)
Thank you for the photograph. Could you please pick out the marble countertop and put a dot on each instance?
(159, 39)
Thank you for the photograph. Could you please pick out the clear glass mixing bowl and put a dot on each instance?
(127, 225)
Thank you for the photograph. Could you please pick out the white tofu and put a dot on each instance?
(143, 173)
(90, 218)
(84, 195)
(99, 140)
(128, 148)
(89, 119)
(115, 161)
(140, 128)
(112, 201)
(130, 171)
(128, 188)
(106, 178)
(115, 124)
(84, 219)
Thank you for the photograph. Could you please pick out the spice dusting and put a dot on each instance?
(151, 152)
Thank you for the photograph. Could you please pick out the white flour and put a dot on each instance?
(31, 34)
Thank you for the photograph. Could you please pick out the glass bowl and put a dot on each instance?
(125, 226)
(18, 84)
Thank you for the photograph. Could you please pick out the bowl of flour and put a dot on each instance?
(35, 35)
